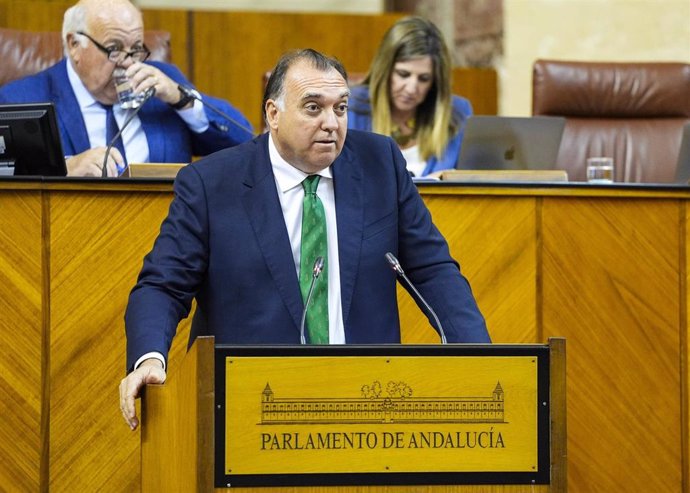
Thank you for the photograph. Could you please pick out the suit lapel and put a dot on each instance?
(349, 207)
(262, 205)
(71, 121)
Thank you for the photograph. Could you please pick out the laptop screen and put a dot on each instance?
(511, 143)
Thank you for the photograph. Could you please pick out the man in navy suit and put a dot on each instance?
(100, 36)
(232, 236)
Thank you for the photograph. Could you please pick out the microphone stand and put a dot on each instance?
(316, 272)
(395, 265)
(189, 93)
(147, 95)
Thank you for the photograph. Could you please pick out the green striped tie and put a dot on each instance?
(314, 244)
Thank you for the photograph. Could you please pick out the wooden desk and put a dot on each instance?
(604, 267)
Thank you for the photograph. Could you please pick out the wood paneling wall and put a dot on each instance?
(604, 268)
(177, 23)
(23, 429)
(611, 283)
(608, 273)
(33, 16)
(233, 50)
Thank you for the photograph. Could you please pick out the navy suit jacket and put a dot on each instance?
(169, 138)
(225, 242)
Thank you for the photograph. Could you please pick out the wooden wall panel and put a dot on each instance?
(480, 86)
(494, 239)
(611, 288)
(605, 269)
(91, 244)
(34, 16)
(233, 50)
(176, 22)
(98, 240)
(22, 432)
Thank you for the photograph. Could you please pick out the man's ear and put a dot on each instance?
(73, 44)
(272, 114)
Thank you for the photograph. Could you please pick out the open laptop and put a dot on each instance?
(511, 143)
(683, 166)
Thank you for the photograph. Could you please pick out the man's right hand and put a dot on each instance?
(90, 163)
(150, 371)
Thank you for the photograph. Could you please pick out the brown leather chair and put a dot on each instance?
(26, 53)
(633, 112)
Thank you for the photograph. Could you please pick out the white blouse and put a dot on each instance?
(415, 164)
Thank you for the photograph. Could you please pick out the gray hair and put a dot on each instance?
(73, 21)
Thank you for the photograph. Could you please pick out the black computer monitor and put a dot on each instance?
(30, 141)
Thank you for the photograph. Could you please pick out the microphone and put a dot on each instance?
(315, 273)
(397, 268)
(148, 94)
(189, 93)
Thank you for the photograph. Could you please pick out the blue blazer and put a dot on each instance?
(169, 138)
(225, 243)
(359, 117)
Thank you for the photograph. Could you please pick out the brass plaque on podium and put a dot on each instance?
(381, 415)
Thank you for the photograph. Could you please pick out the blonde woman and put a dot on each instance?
(407, 95)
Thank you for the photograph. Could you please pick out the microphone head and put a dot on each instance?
(393, 262)
(318, 267)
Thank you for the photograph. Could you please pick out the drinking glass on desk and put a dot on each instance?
(600, 170)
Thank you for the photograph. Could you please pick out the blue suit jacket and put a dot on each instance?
(359, 117)
(225, 242)
(169, 138)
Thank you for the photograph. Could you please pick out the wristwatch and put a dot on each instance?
(184, 101)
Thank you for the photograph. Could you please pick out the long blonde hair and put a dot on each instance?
(407, 39)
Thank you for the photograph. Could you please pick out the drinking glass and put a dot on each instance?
(600, 170)
(127, 97)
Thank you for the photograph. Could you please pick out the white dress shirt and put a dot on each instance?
(289, 184)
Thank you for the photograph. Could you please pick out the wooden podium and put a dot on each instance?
(183, 419)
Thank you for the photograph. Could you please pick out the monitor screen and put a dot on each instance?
(30, 141)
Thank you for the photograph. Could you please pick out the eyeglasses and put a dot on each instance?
(117, 55)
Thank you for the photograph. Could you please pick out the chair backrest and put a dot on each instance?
(26, 53)
(633, 112)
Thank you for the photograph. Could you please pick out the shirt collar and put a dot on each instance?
(84, 97)
(286, 175)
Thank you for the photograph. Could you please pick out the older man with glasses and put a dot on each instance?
(106, 37)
